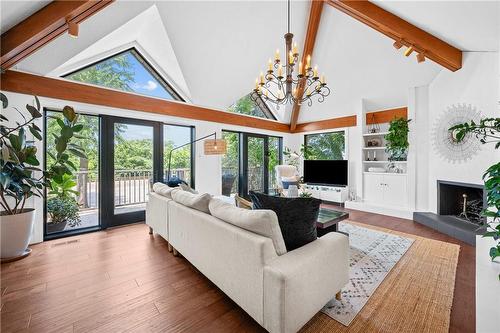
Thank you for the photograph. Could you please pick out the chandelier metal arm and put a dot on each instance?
(283, 83)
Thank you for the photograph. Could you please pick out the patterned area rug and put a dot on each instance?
(372, 256)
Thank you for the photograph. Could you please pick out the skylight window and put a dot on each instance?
(246, 105)
(127, 71)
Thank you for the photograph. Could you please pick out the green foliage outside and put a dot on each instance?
(324, 146)
(230, 161)
(118, 73)
(115, 72)
(245, 105)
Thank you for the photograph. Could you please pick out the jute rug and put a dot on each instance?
(416, 295)
(373, 254)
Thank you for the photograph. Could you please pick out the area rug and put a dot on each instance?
(372, 255)
(415, 296)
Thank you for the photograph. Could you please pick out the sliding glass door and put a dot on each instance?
(249, 163)
(132, 153)
(111, 186)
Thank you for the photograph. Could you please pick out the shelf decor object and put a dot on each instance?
(374, 126)
(279, 86)
(444, 140)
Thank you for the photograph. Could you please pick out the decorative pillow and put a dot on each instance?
(175, 181)
(196, 201)
(296, 216)
(187, 188)
(262, 222)
(163, 189)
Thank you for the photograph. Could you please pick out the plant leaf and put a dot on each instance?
(77, 153)
(35, 133)
(5, 101)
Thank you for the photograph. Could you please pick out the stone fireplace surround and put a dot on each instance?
(449, 205)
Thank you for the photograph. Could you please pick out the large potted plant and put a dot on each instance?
(397, 139)
(487, 131)
(18, 183)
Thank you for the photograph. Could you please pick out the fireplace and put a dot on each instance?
(451, 218)
(461, 200)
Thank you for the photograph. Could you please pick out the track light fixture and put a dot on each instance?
(397, 44)
(73, 28)
(408, 51)
(420, 57)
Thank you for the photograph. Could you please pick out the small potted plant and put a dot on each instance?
(18, 164)
(397, 139)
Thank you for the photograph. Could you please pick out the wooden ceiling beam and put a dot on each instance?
(312, 31)
(401, 31)
(348, 121)
(42, 27)
(30, 84)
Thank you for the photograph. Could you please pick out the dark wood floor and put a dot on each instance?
(124, 279)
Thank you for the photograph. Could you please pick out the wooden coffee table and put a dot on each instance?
(328, 219)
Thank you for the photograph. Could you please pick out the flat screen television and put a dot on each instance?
(325, 172)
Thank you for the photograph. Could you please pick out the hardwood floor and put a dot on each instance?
(125, 279)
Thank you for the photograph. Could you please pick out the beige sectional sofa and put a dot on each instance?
(243, 253)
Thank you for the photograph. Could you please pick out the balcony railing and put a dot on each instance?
(131, 186)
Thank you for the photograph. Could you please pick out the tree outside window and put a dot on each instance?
(325, 146)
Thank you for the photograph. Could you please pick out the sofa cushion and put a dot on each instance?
(296, 216)
(163, 189)
(196, 201)
(187, 188)
(262, 222)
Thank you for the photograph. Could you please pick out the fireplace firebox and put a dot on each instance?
(459, 207)
(461, 200)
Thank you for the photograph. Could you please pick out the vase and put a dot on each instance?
(16, 233)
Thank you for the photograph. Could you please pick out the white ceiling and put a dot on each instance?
(467, 25)
(213, 50)
(12, 12)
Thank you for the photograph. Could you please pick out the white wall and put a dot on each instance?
(207, 167)
(477, 84)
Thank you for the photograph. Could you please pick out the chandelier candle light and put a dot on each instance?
(287, 83)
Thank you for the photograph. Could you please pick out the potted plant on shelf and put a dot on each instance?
(487, 131)
(397, 139)
(18, 164)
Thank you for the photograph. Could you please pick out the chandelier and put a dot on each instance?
(284, 82)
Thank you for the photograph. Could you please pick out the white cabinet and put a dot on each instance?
(328, 193)
(386, 189)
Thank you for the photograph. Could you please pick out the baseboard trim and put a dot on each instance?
(378, 209)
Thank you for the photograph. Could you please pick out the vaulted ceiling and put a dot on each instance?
(213, 50)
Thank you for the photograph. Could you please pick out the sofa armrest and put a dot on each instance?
(299, 283)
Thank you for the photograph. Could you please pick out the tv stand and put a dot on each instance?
(337, 194)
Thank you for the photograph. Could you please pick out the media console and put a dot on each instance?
(337, 194)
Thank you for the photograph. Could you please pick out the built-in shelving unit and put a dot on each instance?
(384, 190)
(385, 162)
(376, 134)
(374, 148)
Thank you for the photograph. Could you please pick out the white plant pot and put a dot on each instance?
(15, 233)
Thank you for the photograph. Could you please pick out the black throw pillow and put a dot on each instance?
(296, 216)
